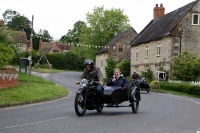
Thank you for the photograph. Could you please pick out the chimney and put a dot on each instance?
(158, 11)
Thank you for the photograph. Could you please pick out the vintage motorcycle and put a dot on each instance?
(87, 99)
(144, 85)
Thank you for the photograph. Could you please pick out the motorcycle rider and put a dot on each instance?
(135, 75)
(91, 72)
(118, 80)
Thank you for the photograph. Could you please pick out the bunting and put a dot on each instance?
(81, 45)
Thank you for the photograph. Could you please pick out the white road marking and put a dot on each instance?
(44, 75)
(186, 99)
(38, 122)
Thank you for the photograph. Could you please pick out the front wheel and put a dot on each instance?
(100, 108)
(80, 105)
(135, 98)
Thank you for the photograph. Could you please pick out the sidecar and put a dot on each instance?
(144, 85)
(114, 95)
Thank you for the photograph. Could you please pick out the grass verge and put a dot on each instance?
(31, 89)
(173, 92)
(43, 70)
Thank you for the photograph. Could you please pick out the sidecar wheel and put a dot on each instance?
(148, 90)
(135, 98)
(79, 105)
(100, 108)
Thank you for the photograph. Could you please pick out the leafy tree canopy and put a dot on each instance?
(103, 25)
(13, 20)
(73, 35)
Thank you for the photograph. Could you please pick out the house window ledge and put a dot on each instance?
(157, 55)
(146, 57)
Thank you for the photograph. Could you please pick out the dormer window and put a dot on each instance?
(195, 19)
(121, 48)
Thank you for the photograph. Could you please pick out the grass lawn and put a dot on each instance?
(31, 89)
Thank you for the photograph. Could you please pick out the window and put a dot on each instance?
(101, 63)
(54, 51)
(146, 50)
(158, 48)
(195, 19)
(157, 68)
(136, 53)
(146, 68)
(121, 48)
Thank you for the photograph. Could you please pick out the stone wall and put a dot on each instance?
(8, 77)
(153, 60)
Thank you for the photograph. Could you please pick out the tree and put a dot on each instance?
(124, 67)
(103, 25)
(186, 67)
(111, 63)
(73, 35)
(6, 54)
(13, 20)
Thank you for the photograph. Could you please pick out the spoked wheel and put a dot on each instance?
(79, 105)
(100, 108)
(135, 98)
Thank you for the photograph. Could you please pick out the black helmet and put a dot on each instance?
(89, 62)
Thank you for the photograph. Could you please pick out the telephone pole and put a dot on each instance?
(31, 47)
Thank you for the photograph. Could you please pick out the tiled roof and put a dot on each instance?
(112, 42)
(47, 49)
(161, 26)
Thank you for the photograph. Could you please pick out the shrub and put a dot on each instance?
(111, 63)
(124, 67)
(181, 87)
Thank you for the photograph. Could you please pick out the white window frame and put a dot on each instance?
(158, 48)
(146, 51)
(136, 53)
(193, 18)
(145, 69)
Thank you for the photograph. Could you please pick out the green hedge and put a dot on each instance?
(66, 61)
(181, 87)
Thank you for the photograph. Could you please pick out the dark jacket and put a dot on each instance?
(135, 76)
(94, 74)
(121, 81)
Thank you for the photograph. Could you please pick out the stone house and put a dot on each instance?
(118, 48)
(52, 47)
(165, 37)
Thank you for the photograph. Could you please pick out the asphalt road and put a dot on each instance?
(158, 113)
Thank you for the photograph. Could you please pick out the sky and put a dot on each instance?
(59, 16)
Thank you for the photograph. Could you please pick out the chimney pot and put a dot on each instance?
(156, 5)
(158, 11)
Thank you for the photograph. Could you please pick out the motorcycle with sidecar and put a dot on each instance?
(86, 97)
(144, 85)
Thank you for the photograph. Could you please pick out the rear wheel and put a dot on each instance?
(79, 105)
(135, 98)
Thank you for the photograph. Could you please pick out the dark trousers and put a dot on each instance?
(100, 92)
